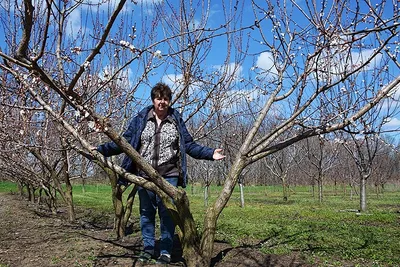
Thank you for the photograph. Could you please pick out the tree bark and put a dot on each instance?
(188, 234)
(285, 190)
(320, 195)
(213, 212)
(363, 193)
(241, 195)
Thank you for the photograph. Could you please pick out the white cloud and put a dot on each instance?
(392, 124)
(266, 63)
(340, 60)
(148, 5)
(127, 75)
(238, 101)
(360, 58)
(74, 25)
(110, 5)
(231, 71)
(194, 24)
(173, 80)
(176, 83)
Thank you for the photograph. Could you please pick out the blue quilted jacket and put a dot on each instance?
(134, 131)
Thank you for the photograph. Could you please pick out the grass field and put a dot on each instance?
(330, 233)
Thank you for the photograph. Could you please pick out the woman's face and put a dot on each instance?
(161, 104)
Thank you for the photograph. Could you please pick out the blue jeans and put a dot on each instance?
(149, 202)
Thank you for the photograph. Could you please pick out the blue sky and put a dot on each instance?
(254, 65)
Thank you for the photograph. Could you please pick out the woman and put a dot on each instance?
(160, 135)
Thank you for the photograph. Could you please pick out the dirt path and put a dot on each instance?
(33, 238)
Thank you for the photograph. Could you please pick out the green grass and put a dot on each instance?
(9, 187)
(326, 233)
(96, 197)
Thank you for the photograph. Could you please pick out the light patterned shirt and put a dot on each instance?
(160, 144)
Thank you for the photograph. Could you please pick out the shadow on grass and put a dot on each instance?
(134, 246)
(251, 255)
(244, 255)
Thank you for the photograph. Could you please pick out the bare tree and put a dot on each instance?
(281, 163)
(386, 166)
(301, 66)
(344, 171)
(363, 151)
(321, 157)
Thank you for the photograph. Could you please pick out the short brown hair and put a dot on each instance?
(161, 90)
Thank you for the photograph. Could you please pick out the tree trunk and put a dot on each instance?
(69, 200)
(119, 209)
(213, 212)
(83, 173)
(188, 234)
(285, 191)
(206, 191)
(363, 193)
(20, 189)
(313, 189)
(320, 196)
(207, 242)
(83, 186)
(241, 195)
(344, 189)
(31, 193)
(67, 195)
(129, 205)
(119, 212)
(377, 190)
(335, 186)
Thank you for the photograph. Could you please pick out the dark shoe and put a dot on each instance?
(164, 259)
(145, 256)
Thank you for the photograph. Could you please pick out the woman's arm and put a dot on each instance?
(111, 148)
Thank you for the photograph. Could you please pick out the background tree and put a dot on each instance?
(386, 166)
(296, 68)
(321, 157)
(280, 165)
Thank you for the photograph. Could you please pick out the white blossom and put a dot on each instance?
(124, 43)
(76, 50)
(86, 65)
(158, 54)
(91, 125)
